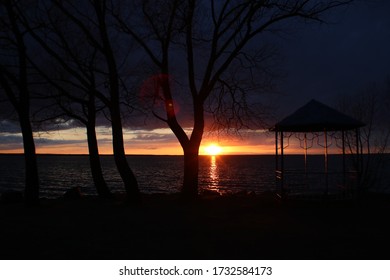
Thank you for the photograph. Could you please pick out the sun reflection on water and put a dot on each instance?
(214, 175)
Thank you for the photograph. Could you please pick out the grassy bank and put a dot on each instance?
(164, 227)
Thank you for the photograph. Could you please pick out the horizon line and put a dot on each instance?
(231, 154)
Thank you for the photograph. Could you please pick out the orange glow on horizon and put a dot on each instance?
(168, 149)
(144, 142)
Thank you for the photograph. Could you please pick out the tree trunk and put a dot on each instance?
(94, 161)
(21, 103)
(127, 175)
(191, 172)
(31, 193)
(191, 155)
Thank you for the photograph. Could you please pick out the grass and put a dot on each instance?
(213, 227)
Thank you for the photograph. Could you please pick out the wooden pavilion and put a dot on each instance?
(320, 121)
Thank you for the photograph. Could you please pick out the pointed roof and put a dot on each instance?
(315, 116)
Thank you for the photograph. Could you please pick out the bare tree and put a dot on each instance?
(212, 37)
(113, 103)
(370, 106)
(14, 80)
(94, 69)
(70, 73)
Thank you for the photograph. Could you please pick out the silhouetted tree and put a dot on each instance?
(14, 80)
(88, 22)
(212, 38)
(113, 102)
(70, 72)
(370, 106)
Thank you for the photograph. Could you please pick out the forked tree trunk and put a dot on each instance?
(190, 189)
(94, 161)
(127, 175)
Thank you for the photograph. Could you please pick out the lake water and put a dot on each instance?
(155, 174)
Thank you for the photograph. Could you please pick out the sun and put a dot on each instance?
(213, 150)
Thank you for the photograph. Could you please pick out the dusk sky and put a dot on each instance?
(320, 61)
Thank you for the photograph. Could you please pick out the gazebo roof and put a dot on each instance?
(314, 117)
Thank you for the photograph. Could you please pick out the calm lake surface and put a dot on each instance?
(155, 174)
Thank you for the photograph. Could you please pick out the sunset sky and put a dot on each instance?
(320, 61)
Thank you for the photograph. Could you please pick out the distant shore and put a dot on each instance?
(213, 227)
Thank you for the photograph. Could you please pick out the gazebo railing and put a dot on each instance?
(298, 183)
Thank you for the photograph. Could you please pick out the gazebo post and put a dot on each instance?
(344, 164)
(282, 164)
(359, 164)
(276, 151)
(305, 148)
(326, 162)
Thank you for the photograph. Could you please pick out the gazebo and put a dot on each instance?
(319, 121)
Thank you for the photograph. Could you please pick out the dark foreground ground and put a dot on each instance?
(163, 227)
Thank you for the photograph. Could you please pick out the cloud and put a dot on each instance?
(153, 137)
(7, 126)
(10, 141)
(15, 141)
(150, 148)
(56, 125)
(55, 142)
(11, 138)
(156, 135)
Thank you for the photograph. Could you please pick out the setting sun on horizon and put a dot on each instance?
(213, 150)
